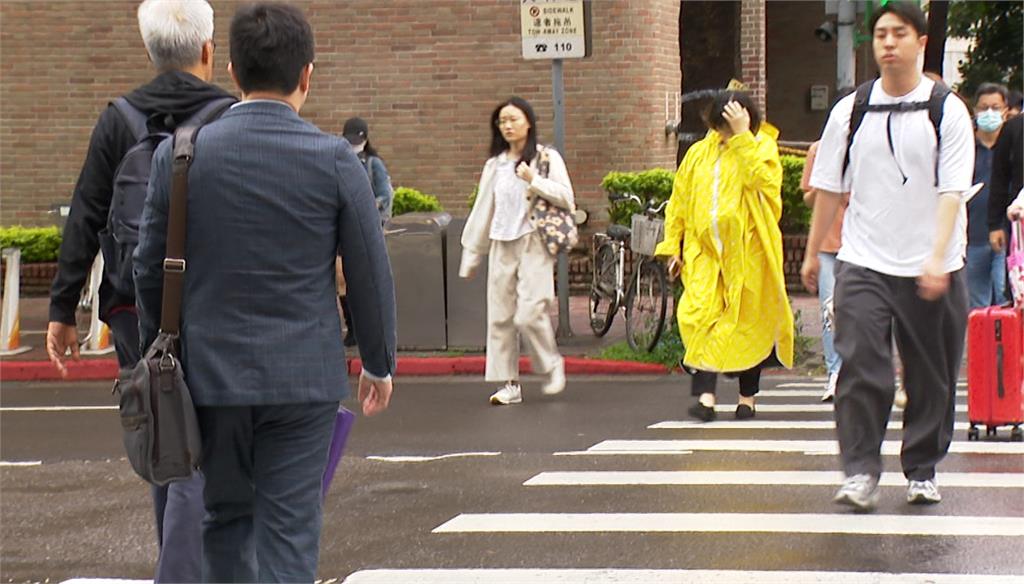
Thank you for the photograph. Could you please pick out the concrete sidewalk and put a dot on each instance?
(582, 349)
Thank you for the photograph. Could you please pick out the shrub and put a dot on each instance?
(472, 197)
(796, 216)
(412, 201)
(37, 244)
(655, 183)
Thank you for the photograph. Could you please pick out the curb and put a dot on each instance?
(106, 369)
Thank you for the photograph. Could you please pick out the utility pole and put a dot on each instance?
(846, 58)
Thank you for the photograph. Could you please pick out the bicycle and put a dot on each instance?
(646, 301)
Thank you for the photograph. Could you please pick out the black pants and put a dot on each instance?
(705, 382)
(930, 338)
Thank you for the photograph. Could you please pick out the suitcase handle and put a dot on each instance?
(999, 371)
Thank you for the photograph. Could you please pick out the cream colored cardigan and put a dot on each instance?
(476, 236)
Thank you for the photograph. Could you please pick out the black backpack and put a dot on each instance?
(934, 105)
(131, 179)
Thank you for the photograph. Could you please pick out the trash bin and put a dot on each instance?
(416, 245)
(467, 299)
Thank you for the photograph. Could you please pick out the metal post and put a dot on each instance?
(846, 59)
(558, 90)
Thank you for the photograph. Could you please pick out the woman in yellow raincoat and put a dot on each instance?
(734, 316)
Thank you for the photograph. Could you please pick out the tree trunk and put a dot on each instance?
(935, 50)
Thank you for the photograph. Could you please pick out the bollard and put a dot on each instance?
(10, 321)
(97, 342)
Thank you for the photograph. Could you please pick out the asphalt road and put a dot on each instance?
(609, 499)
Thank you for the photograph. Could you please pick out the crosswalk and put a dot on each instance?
(782, 449)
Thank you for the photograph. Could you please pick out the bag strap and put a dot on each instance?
(210, 111)
(135, 119)
(183, 148)
(936, 106)
(860, 107)
(544, 162)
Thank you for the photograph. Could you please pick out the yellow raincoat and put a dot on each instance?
(725, 208)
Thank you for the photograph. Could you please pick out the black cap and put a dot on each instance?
(355, 131)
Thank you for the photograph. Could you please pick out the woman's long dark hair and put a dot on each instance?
(370, 150)
(498, 142)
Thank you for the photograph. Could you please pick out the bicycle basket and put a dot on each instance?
(647, 234)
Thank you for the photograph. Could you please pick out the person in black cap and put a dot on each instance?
(357, 132)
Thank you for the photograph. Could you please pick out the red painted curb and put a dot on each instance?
(106, 369)
(87, 370)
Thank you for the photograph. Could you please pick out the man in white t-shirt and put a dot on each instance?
(901, 260)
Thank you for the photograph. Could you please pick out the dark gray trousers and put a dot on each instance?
(930, 338)
(177, 507)
(264, 466)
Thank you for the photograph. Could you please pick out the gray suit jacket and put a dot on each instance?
(271, 200)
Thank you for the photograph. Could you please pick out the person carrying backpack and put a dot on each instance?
(903, 146)
(106, 209)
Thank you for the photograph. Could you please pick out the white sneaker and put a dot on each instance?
(508, 394)
(860, 492)
(556, 380)
(830, 388)
(923, 493)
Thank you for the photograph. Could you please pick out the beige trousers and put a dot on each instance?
(520, 289)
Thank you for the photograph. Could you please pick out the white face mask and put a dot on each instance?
(359, 148)
(989, 120)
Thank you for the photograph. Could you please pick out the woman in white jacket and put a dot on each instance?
(520, 287)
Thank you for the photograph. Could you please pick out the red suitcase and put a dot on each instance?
(995, 345)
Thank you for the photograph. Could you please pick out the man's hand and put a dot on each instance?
(59, 338)
(934, 282)
(375, 395)
(737, 117)
(809, 272)
(997, 239)
(675, 266)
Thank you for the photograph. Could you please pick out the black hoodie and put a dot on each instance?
(168, 99)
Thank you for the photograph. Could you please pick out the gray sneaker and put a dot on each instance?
(860, 492)
(923, 493)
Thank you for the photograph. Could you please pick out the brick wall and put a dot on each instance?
(752, 49)
(425, 74)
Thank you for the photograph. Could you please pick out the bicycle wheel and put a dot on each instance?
(646, 306)
(604, 299)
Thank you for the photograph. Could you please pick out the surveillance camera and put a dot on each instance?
(826, 31)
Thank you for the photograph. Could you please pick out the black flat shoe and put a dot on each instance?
(702, 412)
(744, 412)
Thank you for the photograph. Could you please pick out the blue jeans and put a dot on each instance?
(826, 288)
(986, 276)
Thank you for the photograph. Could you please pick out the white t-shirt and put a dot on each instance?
(890, 224)
(511, 203)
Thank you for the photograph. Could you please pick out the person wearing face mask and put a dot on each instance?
(986, 267)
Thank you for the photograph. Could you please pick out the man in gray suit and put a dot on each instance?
(271, 200)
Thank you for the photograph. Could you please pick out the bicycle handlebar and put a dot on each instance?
(649, 207)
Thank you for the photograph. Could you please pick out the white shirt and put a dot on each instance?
(890, 224)
(511, 203)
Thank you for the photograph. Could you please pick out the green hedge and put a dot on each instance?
(654, 183)
(657, 183)
(796, 216)
(37, 244)
(412, 201)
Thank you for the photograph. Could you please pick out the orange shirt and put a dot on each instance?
(834, 238)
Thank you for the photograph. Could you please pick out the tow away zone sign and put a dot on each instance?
(555, 29)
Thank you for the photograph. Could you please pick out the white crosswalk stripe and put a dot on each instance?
(626, 576)
(749, 477)
(792, 470)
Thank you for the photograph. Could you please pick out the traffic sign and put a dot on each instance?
(555, 29)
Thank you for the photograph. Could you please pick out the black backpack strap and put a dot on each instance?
(135, 119)
(860, 107)
(209, 112)
(936, 106)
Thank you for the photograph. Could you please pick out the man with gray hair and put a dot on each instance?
(178, 35)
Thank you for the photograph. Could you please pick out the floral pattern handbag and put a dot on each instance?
(1015, 264)
(556, 225)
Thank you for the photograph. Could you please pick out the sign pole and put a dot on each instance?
(558, 98)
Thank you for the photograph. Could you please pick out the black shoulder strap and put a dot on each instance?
(936, 105)
(135, 119)
(209, 112)
(860, 107)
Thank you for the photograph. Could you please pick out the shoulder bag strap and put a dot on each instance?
(174, 259)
